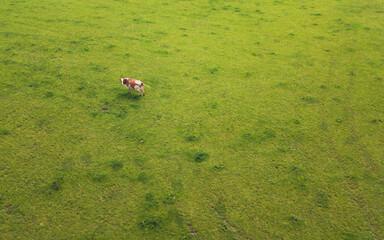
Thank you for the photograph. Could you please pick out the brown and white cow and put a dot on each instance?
(131, 83)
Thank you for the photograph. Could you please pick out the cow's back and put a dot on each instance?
(131, 82)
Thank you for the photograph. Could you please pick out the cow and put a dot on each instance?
(131, 83)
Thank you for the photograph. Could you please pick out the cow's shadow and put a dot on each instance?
(128, 96)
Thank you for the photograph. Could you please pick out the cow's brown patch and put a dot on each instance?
(132, 83)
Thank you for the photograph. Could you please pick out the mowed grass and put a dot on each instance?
(264, 120)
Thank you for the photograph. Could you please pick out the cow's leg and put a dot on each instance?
(142, 90)
(138, 89)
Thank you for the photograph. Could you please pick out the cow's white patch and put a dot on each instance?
(138, 82)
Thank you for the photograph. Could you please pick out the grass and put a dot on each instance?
(201, 156)
(264, 120)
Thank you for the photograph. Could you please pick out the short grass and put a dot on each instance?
(264, 119)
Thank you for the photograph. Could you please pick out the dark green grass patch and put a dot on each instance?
(150, 222)
(57, 183)
(192, 138)
(150, 201)
(309, 99)
(116, 165)
(295, 221)
(259, 136)
(4, 132)
(143, 177)
(219, 167)
(169, 199)
(213, 70)
(99, 176)
(201, 156)
(322, 200)
(48, 94)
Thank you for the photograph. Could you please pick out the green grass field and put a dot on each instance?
(264, 120)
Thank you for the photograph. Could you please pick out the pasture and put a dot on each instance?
(264, 120)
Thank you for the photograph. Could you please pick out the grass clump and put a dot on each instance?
(116, 165)
(296, 121)
(169, 199)
(213, 70)
(309, 99)
(48, 95)
(219, 167)
(99, 176)
(14, 209)
(258, 136)
(57, 183)
(143, 177)
(150, 222)
(295, 221)
(192, 138)
(339, 120)
(322, 200)
(269, 133)
(150, 201)
(201, 156)
(4, 132)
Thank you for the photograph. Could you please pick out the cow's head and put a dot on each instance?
(123, 80)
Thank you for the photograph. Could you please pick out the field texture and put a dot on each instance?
(264, 120)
